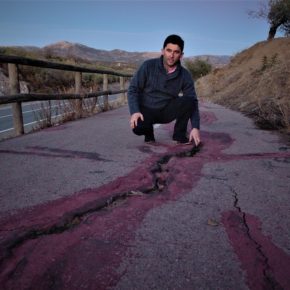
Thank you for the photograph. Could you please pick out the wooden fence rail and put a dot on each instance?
(16, 98)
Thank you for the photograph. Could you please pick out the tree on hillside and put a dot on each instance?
(277, 12)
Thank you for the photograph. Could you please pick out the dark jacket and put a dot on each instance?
(152, 87)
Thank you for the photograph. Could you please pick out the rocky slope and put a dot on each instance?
(4, 85)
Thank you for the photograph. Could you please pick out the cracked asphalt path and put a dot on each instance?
(88, 205)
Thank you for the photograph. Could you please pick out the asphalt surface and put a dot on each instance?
(89, 205)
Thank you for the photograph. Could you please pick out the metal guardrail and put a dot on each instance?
(16, 98)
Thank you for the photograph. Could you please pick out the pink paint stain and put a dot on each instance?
(87, 255)
(266, 265)
(208, 118)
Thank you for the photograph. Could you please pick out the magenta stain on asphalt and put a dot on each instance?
(87, 255)
(55, 260)
(266, 265)
(207, 118)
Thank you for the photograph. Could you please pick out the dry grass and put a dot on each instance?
(69, 110)
(256, 82)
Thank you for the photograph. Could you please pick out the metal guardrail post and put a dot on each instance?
(105, 88)
(14, 88)
(78, 86)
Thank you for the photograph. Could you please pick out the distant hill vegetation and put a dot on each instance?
(68, 50)
(64, 49)
(255, 82)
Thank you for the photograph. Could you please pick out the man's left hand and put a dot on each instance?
(194, 136)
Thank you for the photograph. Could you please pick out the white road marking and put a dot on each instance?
(31, 123)
(26, 112)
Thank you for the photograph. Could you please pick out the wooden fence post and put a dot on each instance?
(105, 88)
(78, 86)
(14, 89)
(122, 87)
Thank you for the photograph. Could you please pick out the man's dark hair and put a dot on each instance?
(174, 39)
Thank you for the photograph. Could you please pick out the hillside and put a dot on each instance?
(214, 60)
(255, 82)
(68, 50)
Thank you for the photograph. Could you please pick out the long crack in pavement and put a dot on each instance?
(75, 218)
(241, 225)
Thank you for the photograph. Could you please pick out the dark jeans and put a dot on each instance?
(179, 109)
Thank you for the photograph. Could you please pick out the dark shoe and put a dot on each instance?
(149, 138)
(182, 141)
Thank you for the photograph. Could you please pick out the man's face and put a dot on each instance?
(171, 54)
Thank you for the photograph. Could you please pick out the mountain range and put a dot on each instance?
(67, 49)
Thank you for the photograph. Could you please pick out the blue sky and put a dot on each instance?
(219, 27)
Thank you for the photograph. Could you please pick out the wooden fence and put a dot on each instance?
(16, 98)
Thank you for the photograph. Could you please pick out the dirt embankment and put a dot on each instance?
(255, 82)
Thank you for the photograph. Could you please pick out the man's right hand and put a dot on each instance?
(134, 119)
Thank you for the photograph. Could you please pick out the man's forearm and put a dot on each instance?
(195, 118)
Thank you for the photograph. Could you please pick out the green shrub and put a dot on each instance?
(198, 68)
